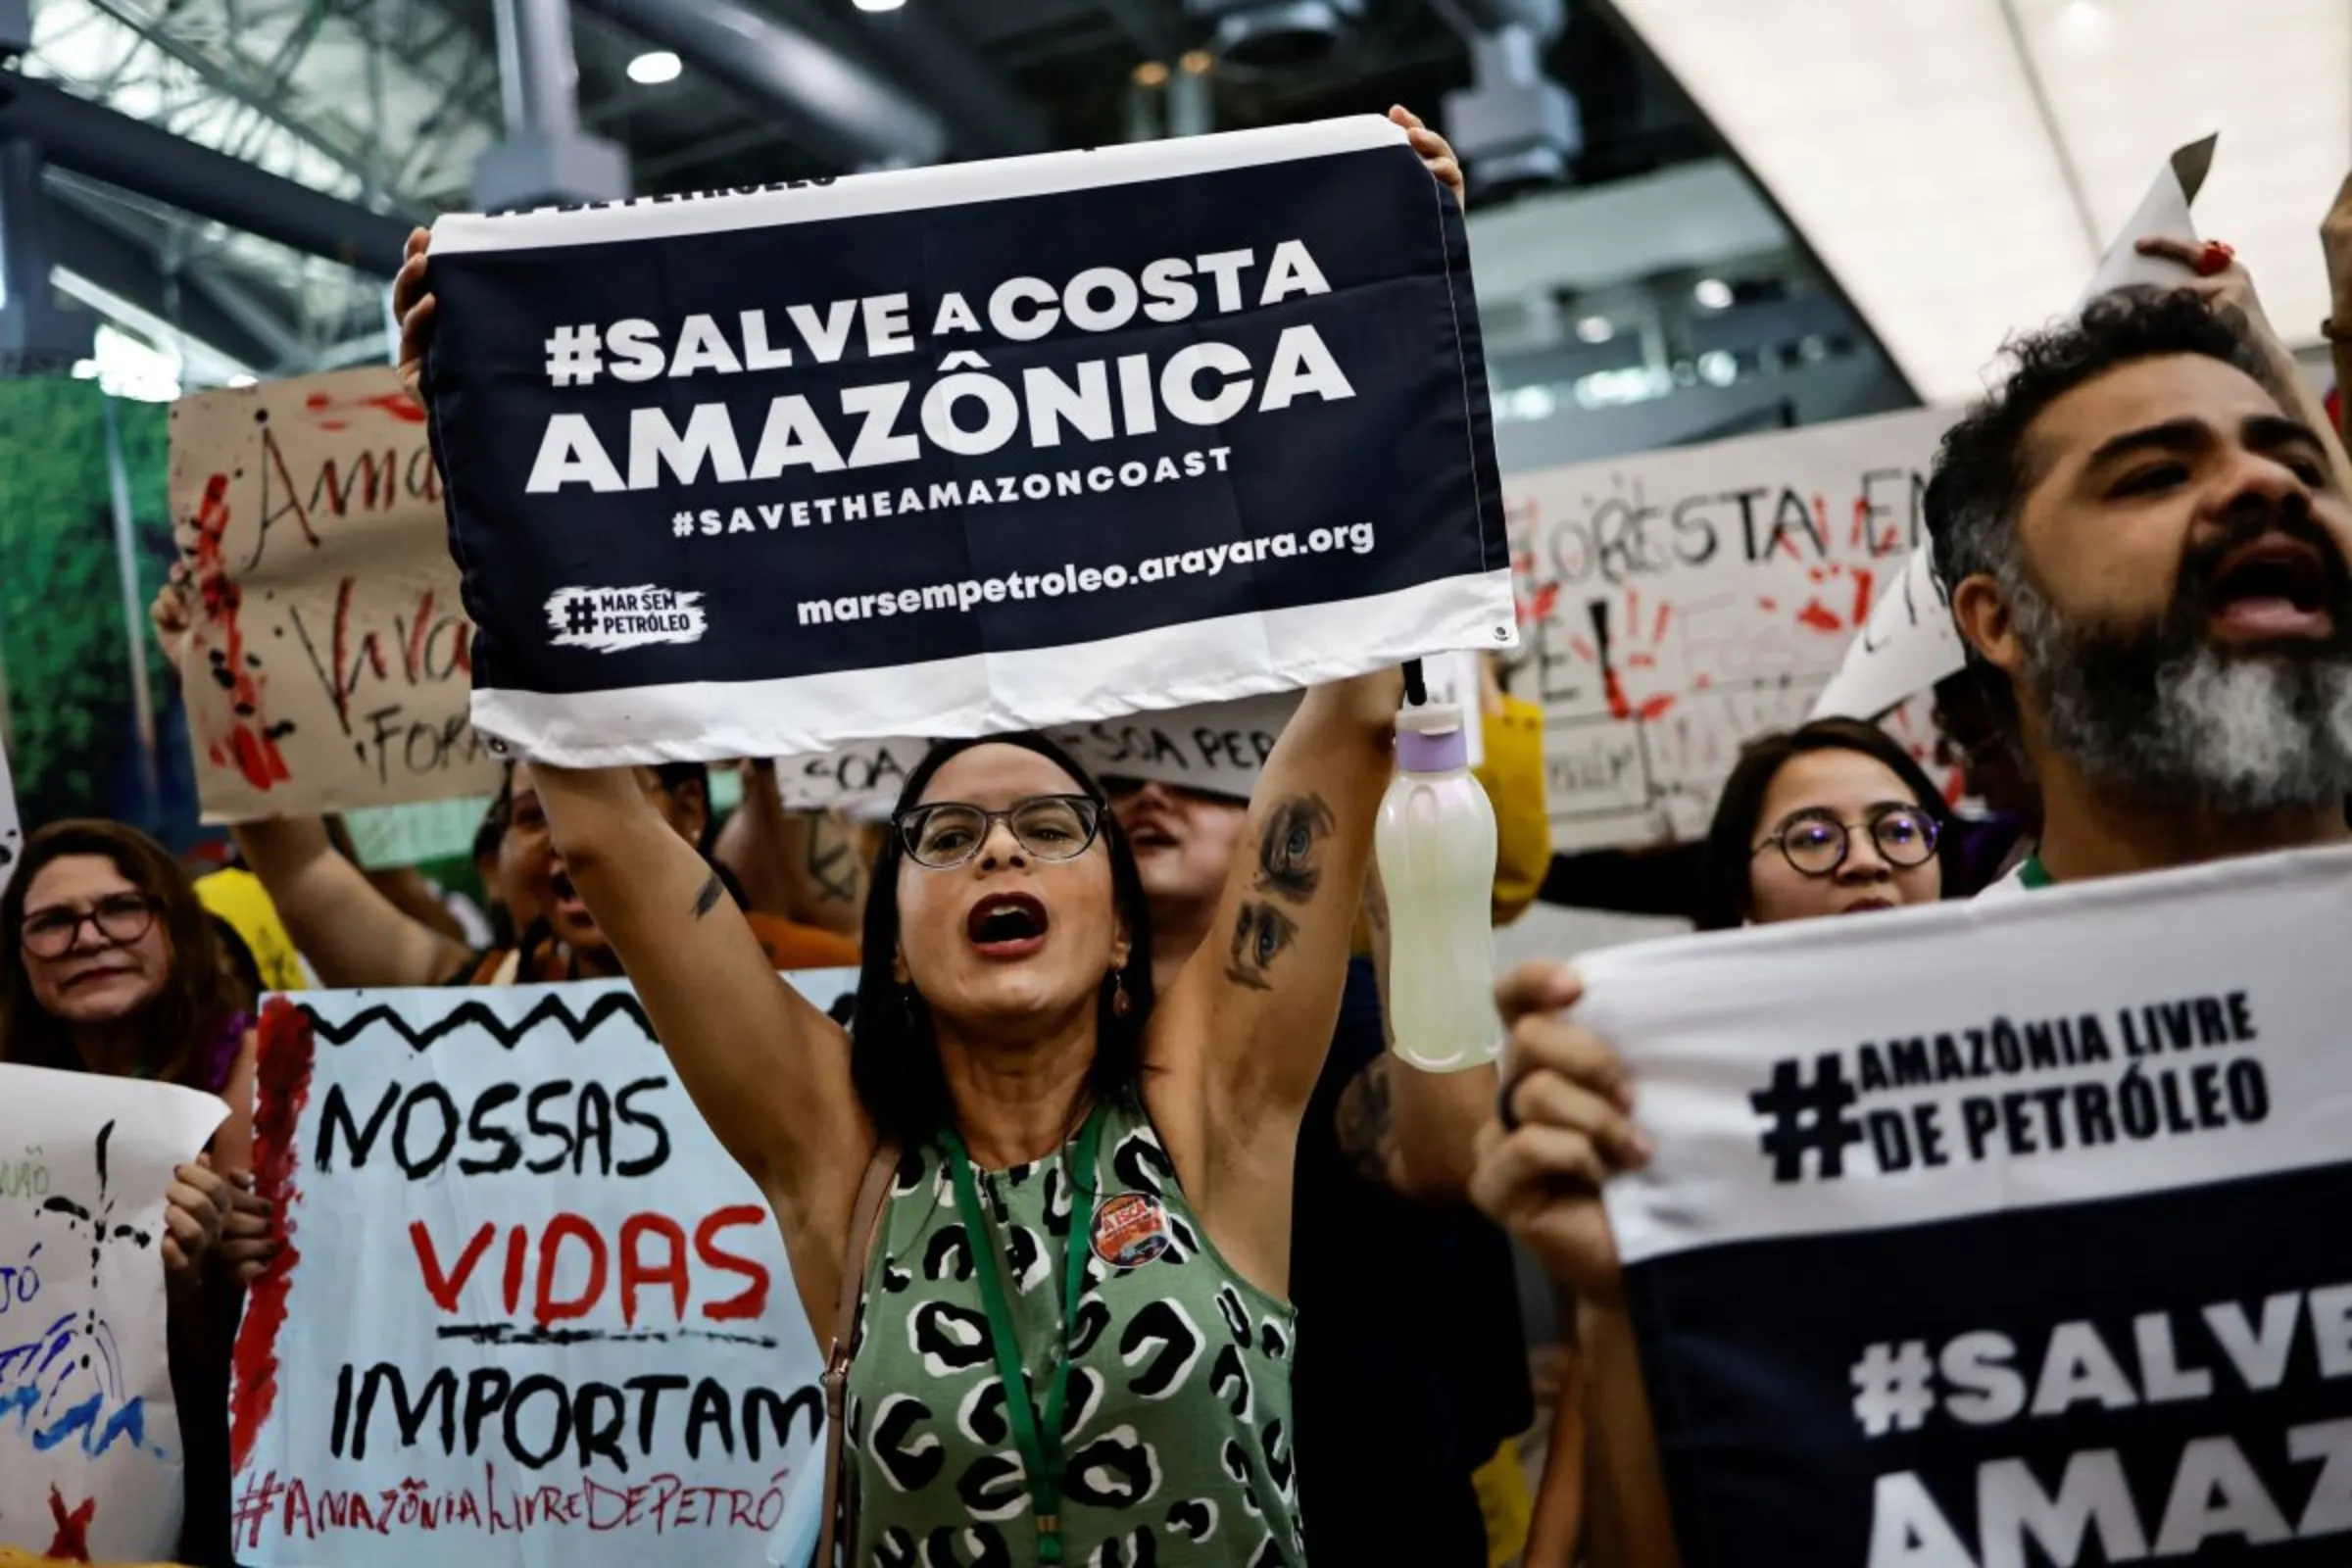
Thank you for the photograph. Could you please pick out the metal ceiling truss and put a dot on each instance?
(256, 80)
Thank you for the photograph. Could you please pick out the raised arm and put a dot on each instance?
(352, 934)
(1413, 1132)
(769, 1071)
(1236, 1044)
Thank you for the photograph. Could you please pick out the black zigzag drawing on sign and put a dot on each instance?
(479, 1015)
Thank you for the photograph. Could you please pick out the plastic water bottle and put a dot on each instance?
(1436, 844)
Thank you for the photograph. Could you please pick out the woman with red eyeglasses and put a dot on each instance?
(109, 963)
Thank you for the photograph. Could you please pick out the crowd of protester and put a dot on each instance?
(1065, 982)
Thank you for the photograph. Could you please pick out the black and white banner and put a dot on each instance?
(960, 450)
(2000, 1234)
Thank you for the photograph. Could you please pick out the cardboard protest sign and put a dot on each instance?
(1998, 1233)
(389, 836)
(961, 450)
(528, 1309)
(90, 1444)
(2162, 214)
(329, 667)
(1680, 603)
(849, 777)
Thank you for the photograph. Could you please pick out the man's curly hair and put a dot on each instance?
(1983, 469)
(1981, 473)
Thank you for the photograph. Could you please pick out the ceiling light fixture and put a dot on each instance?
(1595, 329)
(1712, 294)
(655, 67)
(880, 5)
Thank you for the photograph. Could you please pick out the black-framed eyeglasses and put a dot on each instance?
(947, 834)
(1816, 843)
(118, 919)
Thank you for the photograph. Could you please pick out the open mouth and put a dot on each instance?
(2274, 587)
(567, 897)
(1148, 834)
(1006, 924)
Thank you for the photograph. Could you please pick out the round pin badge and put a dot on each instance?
(1129, 1230)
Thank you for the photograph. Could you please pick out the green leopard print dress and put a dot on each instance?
(1177, 1430)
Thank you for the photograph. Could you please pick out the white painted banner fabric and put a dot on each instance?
(1677, 604)
(528, 1311)
(1219, 747)
(2000, 1233)
(90, 1447)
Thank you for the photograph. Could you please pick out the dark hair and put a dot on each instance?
(670, 776)
(1724, 889)
(186, 1018)
(894, 1058)
(675, 776)
(238, 955)
(1983, 469)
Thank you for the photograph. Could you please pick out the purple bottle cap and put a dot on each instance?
(1430, 739)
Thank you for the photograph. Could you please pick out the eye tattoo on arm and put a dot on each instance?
(1289, 846)
(707, 899)
(1258, 937)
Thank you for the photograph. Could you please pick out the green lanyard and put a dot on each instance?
(1040, 1446)
(2033, 873)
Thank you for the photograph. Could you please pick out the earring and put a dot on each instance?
(906, 1004)
(1121, 1006)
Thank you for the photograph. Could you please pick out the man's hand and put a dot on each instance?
(1571, 1100)
(249, 1237)
(196, 1208)
(173, 612)
(414, 309)
(2232, 288)
(1436, 154)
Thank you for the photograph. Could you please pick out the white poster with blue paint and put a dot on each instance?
(90, 1454)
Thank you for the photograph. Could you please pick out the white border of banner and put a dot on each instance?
(989, 694)
(901, 190)
(1701, 1020)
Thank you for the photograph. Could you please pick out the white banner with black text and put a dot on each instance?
(961, 450)
(2000, 1233)
(527, 1312)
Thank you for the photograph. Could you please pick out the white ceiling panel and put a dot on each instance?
(1959, 165)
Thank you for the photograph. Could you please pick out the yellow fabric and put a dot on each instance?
(1513, 774)
(1507, 1504)
(237, 897)
(1513, 777)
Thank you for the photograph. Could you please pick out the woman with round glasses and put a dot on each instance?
(1833, 817)
(113, 965)
(1045, 1222)
(1071, 1342)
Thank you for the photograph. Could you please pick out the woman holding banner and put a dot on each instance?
(112, 965)
(1045, 1222)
